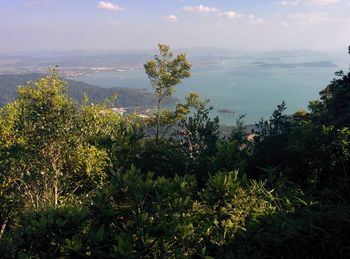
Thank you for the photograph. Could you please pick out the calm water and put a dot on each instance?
(238, 85)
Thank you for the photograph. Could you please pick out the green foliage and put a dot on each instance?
(239, 133)
(197, 136)
(155, 214)
(50, 233)
(164, 159)
(289, 235)
(233, 152)
(86, 182)
(230, 155)
(276, 125)
(42, 134)
(333, 108)
(191, 146)
(127, 97)
(52, 152)
(165, 72)
(309, 154)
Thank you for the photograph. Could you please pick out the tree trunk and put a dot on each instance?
(3, 227)
(56, 192)
(158, 122)
(57, 174)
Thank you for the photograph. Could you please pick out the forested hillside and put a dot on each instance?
(127, 97)
(81, 182)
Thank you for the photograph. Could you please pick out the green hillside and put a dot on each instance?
(127, 97)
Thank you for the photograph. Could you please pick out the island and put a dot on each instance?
(314, 64)
(226, 112)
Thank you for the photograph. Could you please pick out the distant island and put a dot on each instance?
(126, 97)
(226, 111)
(316, 64)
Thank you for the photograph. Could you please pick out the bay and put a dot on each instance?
(239, 85)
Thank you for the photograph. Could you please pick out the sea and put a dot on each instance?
(240, 84)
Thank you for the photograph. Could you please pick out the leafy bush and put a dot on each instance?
(51, 233)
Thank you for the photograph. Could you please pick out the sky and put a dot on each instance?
(61, 25)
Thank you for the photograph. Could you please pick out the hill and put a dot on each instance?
(127, 97)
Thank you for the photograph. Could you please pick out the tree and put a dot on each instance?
(197, 135)
(333, 108)
(42, 121)
(44, 149)
(165, 72)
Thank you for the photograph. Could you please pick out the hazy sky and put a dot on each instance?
(34, 25)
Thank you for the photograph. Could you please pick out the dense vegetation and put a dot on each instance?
(82, 181)
(127, 97)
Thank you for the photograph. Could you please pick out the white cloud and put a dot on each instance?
(307, 2)
(231, 15)
(323, 2)
(309, 18)
(257, 21)
(289, 3)
(200, 9)
(251, 16)
(169, 18)
(35, 2)
(109, 6)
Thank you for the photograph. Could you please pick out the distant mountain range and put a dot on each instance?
(126, 97)
(84, 61)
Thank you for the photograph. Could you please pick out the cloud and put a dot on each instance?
(231, 15)
(169, 18)
(35, 2)
(258, 21)
(322, 2)
(309, 18)
(248, 18)
(307, 3)
(200, 9)
(109, 6)
(289, 3)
